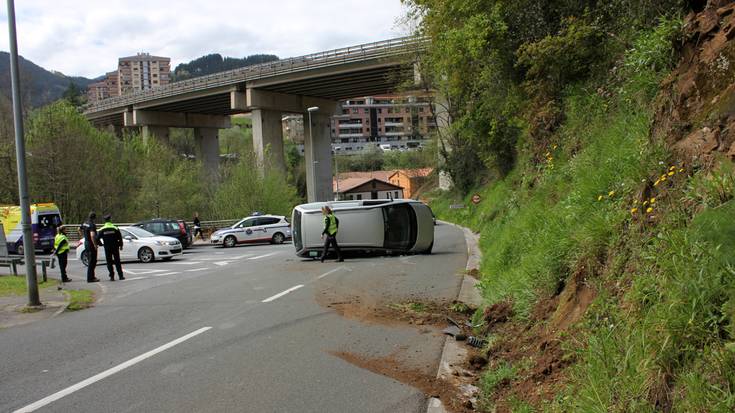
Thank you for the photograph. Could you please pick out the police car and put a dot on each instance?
(254, 229)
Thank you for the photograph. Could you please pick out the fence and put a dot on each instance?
(72, 230)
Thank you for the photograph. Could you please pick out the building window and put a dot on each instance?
(396, 195)
(367, 111)
(359, 197)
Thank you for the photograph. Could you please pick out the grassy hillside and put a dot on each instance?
(614, 251)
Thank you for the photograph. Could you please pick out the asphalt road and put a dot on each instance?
(238, 329)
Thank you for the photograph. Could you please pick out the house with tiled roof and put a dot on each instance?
(410, 179)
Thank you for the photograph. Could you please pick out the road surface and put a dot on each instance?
(244, 329)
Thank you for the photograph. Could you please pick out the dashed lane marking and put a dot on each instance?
(186, 262)
(281, 294)
(330, 272)
(263, 256)
(197, 269)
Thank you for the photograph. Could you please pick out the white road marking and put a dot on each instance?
(239, 257)
(263, 256)
(165, 274)
(281, 294)
(330, 272)
(197, 269)
(136, 278)
(107, 373)
(221, 263)
(143, 271)
(186, 262)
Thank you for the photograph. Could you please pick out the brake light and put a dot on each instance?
(182, 228)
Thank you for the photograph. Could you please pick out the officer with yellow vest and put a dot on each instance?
(112, 240)
(329, 235)
(61, 249)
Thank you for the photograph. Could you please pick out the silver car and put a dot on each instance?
(400, 225)
(260, 228)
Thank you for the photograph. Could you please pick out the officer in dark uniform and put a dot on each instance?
(112, 241)
(89, 232)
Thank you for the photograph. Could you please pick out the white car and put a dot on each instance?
(138, 245)
(260, 228)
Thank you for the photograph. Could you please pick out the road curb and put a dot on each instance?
(453, 353)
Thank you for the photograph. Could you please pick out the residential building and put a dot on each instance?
(142, 72)
(139, 72)
(366, 188)
(394, 121)
(410, 179)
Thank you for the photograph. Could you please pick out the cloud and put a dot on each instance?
(87, 37)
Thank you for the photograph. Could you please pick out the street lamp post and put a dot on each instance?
(20, 155)
(336, 170)
(311, 147)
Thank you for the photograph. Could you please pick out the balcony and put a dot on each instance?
(350, 125)
(351, 135)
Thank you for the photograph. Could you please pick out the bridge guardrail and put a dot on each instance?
(375, 50)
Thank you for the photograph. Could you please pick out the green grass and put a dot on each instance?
(80, 299)
(661, 330)
(11, 285)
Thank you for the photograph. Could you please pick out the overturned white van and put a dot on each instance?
(400, 225)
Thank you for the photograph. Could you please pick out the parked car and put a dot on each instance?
(260, 228)
(167, 227)
(138, 245)
(399, 225)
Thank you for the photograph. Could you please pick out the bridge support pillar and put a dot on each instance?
(208, 141)
(268, 139)
(155, 132)
(318, 151)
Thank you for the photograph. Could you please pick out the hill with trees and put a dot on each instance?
(39, 85)
(213, 63)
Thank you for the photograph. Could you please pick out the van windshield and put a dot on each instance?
(47, 221)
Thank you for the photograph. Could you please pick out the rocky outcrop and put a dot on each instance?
(695, 111)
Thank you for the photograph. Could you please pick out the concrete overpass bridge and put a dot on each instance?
(267, 91)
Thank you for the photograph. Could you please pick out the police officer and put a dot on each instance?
(61, 249)
(113, 243)
(331, 226)
(89, 232)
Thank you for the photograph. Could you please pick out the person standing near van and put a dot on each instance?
(329, 235)
(89, 232)
(61, 249)
(112, 241)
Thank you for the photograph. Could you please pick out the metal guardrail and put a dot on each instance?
(375, 50)
(72, 230)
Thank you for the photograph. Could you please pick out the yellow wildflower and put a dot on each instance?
(658, 181)
(645, 202)
(599, 198)
(649, 210)
(635, 202)
(633, 210)
(681, 170)
(554, 147)
(653, 201)
(671, 173)
(611, 193)
(672, 168)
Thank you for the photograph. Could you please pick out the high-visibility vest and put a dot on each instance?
(331, 224)
(108, 225)
(58, 241)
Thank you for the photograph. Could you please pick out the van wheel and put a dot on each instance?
(145, 255)
(278, 238)
(229, 241)
(85, 258)
(20, 250)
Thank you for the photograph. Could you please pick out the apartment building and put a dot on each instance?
(390, 122)
(139, 72)
(142, 72)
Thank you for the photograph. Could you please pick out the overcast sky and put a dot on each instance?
(85, 38)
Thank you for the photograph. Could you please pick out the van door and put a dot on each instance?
(400, 227)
